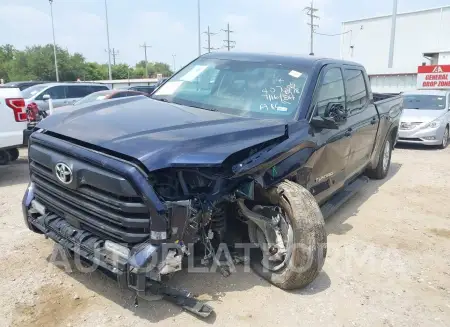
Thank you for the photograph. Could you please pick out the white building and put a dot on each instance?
(421, 37)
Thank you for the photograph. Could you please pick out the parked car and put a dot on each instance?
(426, 118)
(23, 85)
(143, 88)
(36, 114)
(259, 156)
(108, 94)
(62, 94)
(13, 119)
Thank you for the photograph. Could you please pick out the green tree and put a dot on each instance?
(94, 71)
(121, 71)
(37, 63)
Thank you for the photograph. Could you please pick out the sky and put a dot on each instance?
(170, 26)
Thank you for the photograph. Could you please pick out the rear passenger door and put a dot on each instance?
(362, 117)
(328, 163)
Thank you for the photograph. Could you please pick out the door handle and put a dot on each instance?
(373, 121)
(348, 132)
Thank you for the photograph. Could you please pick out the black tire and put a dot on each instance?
(444, 142)
(384, 161)
(5, 157)
(14, 153)
(309, 239)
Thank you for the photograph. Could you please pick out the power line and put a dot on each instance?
(310, 11)
(228, 43)
(145, 46)
(325, 34)
(209, 33)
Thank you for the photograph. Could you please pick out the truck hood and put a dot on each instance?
(162, 134)
(421, 116)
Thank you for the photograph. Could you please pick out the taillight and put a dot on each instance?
(17, 105)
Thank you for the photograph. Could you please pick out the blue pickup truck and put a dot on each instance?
(235, 148)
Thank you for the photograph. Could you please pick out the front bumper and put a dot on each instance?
(118, 259)
(137, 269)
(426, 136)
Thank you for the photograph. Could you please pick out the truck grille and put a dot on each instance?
(100, 201)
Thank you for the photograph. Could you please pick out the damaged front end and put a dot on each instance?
(139, 226)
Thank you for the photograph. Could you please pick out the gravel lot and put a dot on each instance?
(388, 264)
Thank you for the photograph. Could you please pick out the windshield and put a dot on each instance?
(244, 88)
(32, 91)
(96, 96)
(424, 102)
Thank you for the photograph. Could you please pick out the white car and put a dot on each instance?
(426, 118)
(13, 120)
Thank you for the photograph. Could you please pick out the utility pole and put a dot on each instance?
(392, 43)
(174, 66)
(107, 37)
(228, 43)
(145, 46)
(199, 29)
(114, 54)
(209, 33)
(54, 42)
(310, 11)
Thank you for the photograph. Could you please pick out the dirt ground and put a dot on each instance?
(388, 264)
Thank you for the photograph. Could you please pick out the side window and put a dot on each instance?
(331, 92)
(55, 92)
(357, 96)
(95, 88)
(77, 91)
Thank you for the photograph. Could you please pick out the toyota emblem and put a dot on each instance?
(64, 173)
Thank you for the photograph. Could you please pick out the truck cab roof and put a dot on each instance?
(295, 59)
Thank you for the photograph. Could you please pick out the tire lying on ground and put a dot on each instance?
(306, 255)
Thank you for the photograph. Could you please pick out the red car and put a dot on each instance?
(108, 94)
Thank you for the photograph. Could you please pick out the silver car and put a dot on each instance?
(425, 118)
(62, 94)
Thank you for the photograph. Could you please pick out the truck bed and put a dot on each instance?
(388, 103)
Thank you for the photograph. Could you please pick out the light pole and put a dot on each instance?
(392, 43)
(199, 30)
(109, 48)
(174, 67)
(54, 42)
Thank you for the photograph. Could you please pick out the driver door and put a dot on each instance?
(327, 164)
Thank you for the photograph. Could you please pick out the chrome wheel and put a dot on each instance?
(386, 155)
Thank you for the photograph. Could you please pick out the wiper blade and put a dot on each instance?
(161, 99)
(209, 109)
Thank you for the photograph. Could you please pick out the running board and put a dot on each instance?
(333, 204)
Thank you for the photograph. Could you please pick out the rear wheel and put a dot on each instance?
(384, 161)
(303, 240)
(444, 142)
(14, 153)
(5, 157)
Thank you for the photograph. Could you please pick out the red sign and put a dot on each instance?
(433, 77)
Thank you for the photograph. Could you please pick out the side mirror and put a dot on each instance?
(324, 123)
(46, 97)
